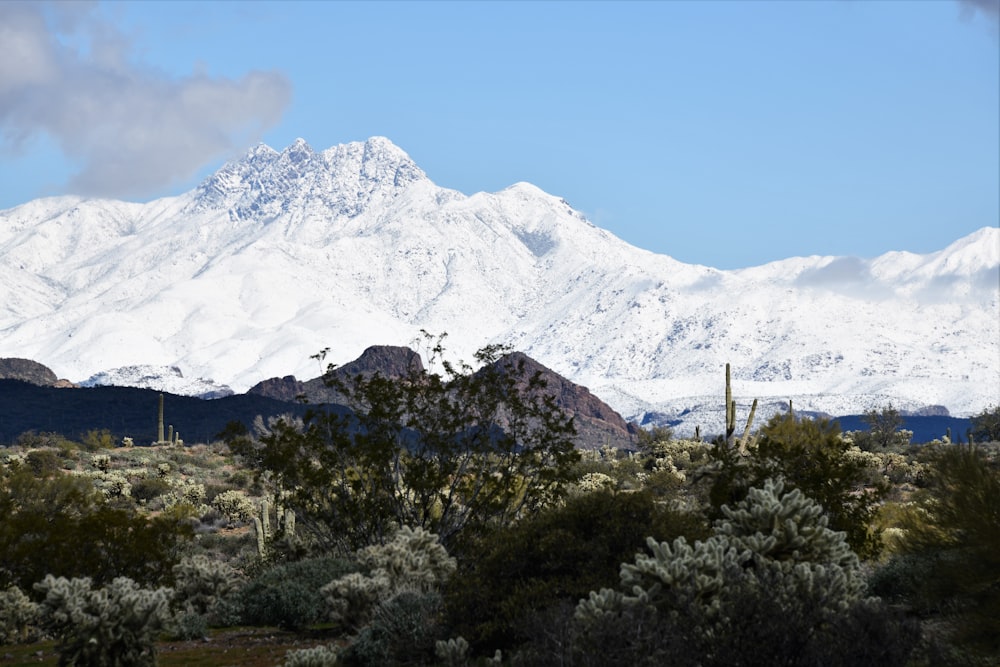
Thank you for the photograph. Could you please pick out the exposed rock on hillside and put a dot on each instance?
(29, 371)
(597, 424)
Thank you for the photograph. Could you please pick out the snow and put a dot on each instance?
(283, 253)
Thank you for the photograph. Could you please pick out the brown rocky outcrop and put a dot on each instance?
(596, 423)
(28, 371)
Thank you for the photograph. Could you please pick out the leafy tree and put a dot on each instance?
(441, 451)
(986, 425)
(883, 430)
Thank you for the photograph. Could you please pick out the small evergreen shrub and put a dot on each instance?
(403, 630)
(150, 488)
(288, 595)
(555, 557)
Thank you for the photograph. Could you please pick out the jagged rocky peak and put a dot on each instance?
(344, 178)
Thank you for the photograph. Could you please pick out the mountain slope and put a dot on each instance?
(281, 254)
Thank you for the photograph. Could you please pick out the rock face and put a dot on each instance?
(282, 389)
(597, 424)
(28, 371)
(387, 360)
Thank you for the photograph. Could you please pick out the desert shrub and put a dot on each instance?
(43, 462)
(98, 439)
(62, 526)
(557, 556)
(316, 656)
(772, 585)
(234, 505)
(288, 595)
(44, 439)
(986, 425)
(19, 617)
(149, 488)
(949, 561)
(200, 583)
(404, 630)
(449, 452)
(808, 454)
(414, 560)
(115, 625)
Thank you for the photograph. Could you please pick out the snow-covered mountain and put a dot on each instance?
(281, 254)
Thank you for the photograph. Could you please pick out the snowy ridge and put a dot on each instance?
(165, 378)
(281, 254)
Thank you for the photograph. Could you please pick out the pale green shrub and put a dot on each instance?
(453, 652)
(413, 560)
(19, 617)
(114, 625)
(317, 656)
(201, 582)
(234, 505)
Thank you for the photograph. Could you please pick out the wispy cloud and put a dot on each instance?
(133, 130)
(990, 9)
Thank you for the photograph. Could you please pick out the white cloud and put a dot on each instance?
(132, 129)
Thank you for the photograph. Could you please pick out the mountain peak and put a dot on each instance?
(265, 183)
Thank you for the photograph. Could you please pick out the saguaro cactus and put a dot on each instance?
(159, 430)
(744, 442)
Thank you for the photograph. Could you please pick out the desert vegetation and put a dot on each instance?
(446, 519)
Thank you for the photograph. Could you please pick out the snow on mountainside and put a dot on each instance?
(281, 254)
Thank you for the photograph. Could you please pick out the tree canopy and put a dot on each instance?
(445, 451)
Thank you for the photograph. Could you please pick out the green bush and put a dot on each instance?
(558, 556)
(288, 595)
(403, 631)
(808, 454)
(772, 585)
(414, 560)
(43, 462)
(149, 488)
(950, 551)
(62, 526)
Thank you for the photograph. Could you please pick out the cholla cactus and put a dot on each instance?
(162, 470)
(453, 653)
(784, 527)
(18, 617)
(101, 461)
(114, 625)
(413, 560)
(14, 461)
(200, 582)
(317, 656)
(113, 485)
(234, 505)
(781, 535)
(595, 481)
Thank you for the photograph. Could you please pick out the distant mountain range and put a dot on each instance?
(281, 254)
(32, 399)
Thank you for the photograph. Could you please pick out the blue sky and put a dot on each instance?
(720, 133)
